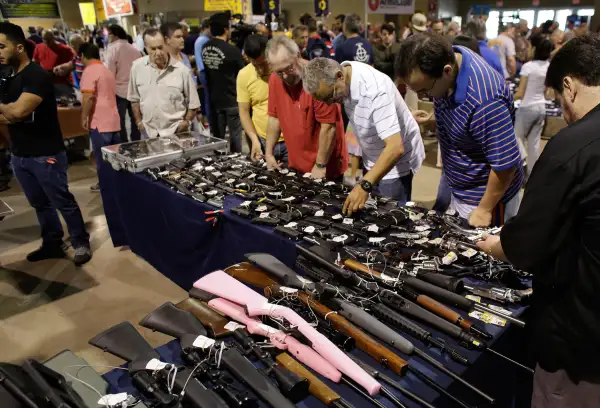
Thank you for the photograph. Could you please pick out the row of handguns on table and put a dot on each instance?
(393, 240)
(314, 320)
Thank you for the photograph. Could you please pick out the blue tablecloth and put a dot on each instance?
(170, 231)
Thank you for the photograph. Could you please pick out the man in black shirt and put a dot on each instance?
(222, 62)
(39, 160)
(555, 236)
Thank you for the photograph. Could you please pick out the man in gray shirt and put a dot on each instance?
(161, 90)
(506, 50)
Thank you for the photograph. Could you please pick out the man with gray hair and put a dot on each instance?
(386, 130)
(354, 48)
(476, 29)
(313, 131)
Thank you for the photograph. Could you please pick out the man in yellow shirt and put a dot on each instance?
(253, 95)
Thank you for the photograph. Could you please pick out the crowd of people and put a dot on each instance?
(321, 101)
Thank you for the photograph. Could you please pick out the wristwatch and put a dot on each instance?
(320, 166)
(366, 185)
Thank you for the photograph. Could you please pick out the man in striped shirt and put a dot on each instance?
(474, 112)
(388, 134)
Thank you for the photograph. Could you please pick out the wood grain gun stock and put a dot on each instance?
(251, 275)
(213, 321)
(317, 387)
(422, 300)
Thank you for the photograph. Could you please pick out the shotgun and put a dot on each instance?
(211, 320)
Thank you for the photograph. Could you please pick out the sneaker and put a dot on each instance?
(95, 188)
(46, 252)
(82, 256)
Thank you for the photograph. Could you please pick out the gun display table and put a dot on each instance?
(170, 231)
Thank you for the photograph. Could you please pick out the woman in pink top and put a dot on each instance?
(99, 113)
(119, 58)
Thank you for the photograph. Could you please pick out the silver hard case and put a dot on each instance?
(140, 155)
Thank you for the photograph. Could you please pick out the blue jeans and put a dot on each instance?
(44, 182)
(205, 102)
(124, 106)
(444, 195)
(101, 139)
(400, 189)
(280, 151)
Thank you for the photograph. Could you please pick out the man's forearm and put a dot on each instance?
(86, 107)
(137, 112)
(512, 66)
(393, 151)
(326, 142)
(191, 114)
(498, 252)
(273, 132)
(10, 112)
(498, 183)
(248, 125)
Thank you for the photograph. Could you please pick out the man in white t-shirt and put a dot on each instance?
(386, 131)
(506, 50)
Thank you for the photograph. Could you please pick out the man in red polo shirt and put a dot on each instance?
(51, 54)
(313, 131)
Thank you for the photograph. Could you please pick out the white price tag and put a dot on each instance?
(245, 203)
(291, 174)
(337, 217)
(410, 204)
(261, 208)
(291, 225)
(284, 171)
(230, 181)
(212, 193)
(348, 221)
(275, 193)
(163, 173)
(421, 228)
(209, 168)
(306, 175)
(318, 180)
(113, 400)
(251, 176)
(319, 213)
(264, 215)
(233, 326)
(285, 289)
(435, 241)
(373, 228)
(449, 258)
(330, 183)
(207, 159)
(340, 238)
(155, 364)
(400, 265)
(376, 240)
(217, 174)
(415, 216)
(431, 212)
(290, 198)
(203, 342)
(451, 211)
(469, 253)
(309, 230)
(200, 185)
(303, 280)
(267, 329)
(474, 298)
(421, 241)
(388, 278)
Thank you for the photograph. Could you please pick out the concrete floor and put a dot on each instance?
(52, 305)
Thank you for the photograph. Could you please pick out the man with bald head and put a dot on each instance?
(313, 131)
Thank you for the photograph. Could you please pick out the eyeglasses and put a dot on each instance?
(287, 71)
(425, 92)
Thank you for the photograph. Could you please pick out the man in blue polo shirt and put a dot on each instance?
(474, 112)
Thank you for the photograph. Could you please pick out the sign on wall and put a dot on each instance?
(272, 7)
(391, 6)
(321, 8)
(88, 13)
(222, 5)
(32, 8)
(117, 8)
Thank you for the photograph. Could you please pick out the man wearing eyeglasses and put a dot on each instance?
(473, 108)
(313, 131)
(388, 134)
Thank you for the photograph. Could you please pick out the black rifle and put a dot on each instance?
(183, 325)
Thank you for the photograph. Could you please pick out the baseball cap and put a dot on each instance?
(419, 22)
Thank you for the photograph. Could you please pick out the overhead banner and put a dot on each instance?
(117, 8)
(32, 8)
(272, 7)
(391, 6)
(223, 5)
(322, 8)
(88, 13)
